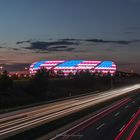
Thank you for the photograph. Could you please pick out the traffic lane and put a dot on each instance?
(128, 129)
(50, 108)
(34, 134)
(15, 129)
(89, 102)
(92, 131)
(119, 125)
(23, 112)
(124, 121)
(101, 129)
(42, 112)
(53, 107)
(94, 118)
(33, 113)
(136, 135)
(41, 120)
(134, 129)
(56, 103)
(116, 92)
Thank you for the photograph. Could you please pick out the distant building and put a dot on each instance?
(73, 66)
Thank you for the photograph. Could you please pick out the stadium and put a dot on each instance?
(73, 66)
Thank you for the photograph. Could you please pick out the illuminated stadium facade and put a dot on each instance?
(73, 66)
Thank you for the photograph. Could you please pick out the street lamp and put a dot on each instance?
(1, 68)
(26, 68)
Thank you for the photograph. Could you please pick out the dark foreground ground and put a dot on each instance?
(19, 97)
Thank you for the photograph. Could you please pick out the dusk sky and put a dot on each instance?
(33, 30)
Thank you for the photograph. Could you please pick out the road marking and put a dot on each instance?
(122, 128)
(119, 136)
(126, 106)
(117, 114)
(132, 115)
(65, 135)
(100, 126)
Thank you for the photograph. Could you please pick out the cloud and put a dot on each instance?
(75, 45)
(60, 48)
(47, 44)
(51, 46)
(22, 42)
(70, 39)
(56, 49)
(94, 40)
(122, 42)
(16, 49)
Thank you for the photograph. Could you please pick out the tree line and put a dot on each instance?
(38, 84)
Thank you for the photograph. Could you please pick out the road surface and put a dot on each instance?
(18, 121)
(119, 122)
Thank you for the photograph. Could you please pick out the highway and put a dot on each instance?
(128, 131)
(118, 122)
(18, 121)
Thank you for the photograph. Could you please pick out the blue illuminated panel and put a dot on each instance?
(38, 64)
(71, 63)
(106, 64)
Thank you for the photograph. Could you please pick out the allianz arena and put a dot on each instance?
(74, 66)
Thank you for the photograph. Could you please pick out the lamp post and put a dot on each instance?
(1, 68)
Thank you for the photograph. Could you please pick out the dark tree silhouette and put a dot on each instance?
(5, 81)
(70, 75)
(84, 78)
(38, 84)
(60, 73)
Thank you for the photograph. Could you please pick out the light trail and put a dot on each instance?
(77, 128)
(133, 130)
(53, 115)
(13, 122)
(118, 137)
(34, 114)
